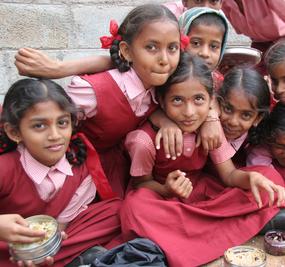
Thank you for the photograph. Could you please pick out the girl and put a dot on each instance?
(244, 101)
(44, 170)
(270, 151)
(275, 65)
(193, 218)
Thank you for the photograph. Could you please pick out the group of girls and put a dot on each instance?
(48, 144)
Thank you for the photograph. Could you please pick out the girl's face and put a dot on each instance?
(206, 42)
(278, 148)
(187, 104)
(215, 4)
(154, 52)
(45, 130)
(277, 75)
(237, 114)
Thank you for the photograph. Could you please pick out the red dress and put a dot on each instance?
(106, 130)
(195, 231)
(97, 225)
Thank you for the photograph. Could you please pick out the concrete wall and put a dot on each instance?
(65, 29)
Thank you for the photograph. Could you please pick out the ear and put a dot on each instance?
(12, 133)
(125, 51)
(258, 120)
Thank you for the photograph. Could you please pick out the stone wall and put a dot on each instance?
(65, 29)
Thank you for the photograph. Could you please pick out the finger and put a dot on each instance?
(49, 261)
(64, 235)
(171, 145)
(165, 146)
(158, 138)
(270, 192)
(205, 147)
(256, 196)
(198, 141)
(280, 195)
(179, 143)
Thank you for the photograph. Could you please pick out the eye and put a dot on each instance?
(198, 1)
(195, 43)
(173, 48)
(246, 116)
(227, 109)
(177, 100)
(215, 46)
(63, 123)
(38, 126)
(199, 99)
(215, 2)
(151, 47)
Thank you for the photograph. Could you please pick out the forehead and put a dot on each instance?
(189, 87)
(214, 3)
(239, 99)
(278, 70)
(161, 30)
(207, 32)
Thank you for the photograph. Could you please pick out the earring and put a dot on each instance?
(255, 124)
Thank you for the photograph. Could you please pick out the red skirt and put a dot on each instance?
(200, 229)
(97, 225)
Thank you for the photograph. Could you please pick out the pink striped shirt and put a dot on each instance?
(49, 180)
(138, 97)
(142, 151)
(177, 8)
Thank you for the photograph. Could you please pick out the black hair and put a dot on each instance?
(190, 66)
(209, 19)
(273, 125)
(252, 83)
(133, 25)
(26, 93)
(275, 55)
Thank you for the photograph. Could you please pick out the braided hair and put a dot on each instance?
(26, 93)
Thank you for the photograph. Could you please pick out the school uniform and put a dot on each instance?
(192, 231)
(89, 223)
(118, 104)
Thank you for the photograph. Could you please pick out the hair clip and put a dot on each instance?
(106, 41)
(184, 41)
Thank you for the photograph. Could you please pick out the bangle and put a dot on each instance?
(210, 119)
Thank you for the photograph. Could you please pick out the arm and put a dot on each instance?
(169, 132)
(250, 180)
(211, 130)
(14, 228)
(32, 62)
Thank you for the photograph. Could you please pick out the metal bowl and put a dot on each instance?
(38, 251)
(274, 242)
(244, 256)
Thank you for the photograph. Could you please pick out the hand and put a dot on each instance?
(34, 63)
(258, 181)
(210, 135)
(178, 185)
(172, 138)
(14, 228)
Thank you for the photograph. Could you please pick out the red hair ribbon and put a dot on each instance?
(184, 41)
(106, 41)
(95, 169)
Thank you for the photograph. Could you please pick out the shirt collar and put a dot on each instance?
(236, 143)
(37, 171)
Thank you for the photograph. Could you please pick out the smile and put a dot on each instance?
(55, 148)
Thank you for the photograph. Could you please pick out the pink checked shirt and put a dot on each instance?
(49, 180)
(177, 8)
(142, 151)
(138, 97)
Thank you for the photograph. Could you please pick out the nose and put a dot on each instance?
(233, 120)
(163, 58)
(189, 110)
(53, 133)
(203, 52)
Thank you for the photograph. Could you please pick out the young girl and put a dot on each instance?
(44, 170)
(275, 65)
(193, 218)
(244, 100)
(270, 151)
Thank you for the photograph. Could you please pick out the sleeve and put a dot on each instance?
(142, 152)
(222, 153)
(259, 155)
(83, 196)
(83, 95)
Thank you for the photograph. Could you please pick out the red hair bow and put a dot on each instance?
(184, 41)
(106, 41)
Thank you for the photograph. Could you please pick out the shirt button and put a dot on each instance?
(188, 149)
